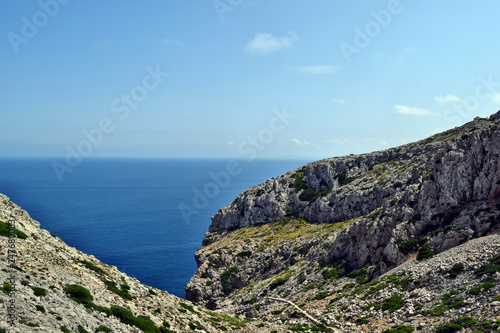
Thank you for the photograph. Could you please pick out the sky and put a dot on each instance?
(240, 78)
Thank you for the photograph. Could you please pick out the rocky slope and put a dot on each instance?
(52, 287)
(322, 237)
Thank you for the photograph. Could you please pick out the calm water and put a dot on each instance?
(126, 211)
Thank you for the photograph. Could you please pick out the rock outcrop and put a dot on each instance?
(340, 220)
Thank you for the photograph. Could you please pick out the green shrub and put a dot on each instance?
(486, 325)
(142, 322)
(4, 231)
(491, 268)
(64, 329)
(474, 291)
(407, 246)
(40, 308)
(187, 307)
(6, 288)
(103, 328)
(399, 329)
(451, 300)
(375, 306)
(224, 280)
(466, 321)
(81, 329)
(361, 321)
(79, 294)
(448, 328)
(123, 293)
(321, 295)
(424, 252)
(455, 270)
(301, 278)
(319, 328)
(39, 291)
(93, 267)
(393, 303)
(278, 282)
(244, 254)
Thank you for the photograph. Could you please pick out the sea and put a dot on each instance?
(147, 217)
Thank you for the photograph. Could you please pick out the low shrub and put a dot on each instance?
(448, 328)
(39, 291)
(393, 303)
(399, 329)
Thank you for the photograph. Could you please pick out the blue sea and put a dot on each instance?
(145, 216)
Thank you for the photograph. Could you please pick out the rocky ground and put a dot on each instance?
(56, 288)
(339, 238)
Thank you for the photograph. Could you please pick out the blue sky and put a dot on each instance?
(241, 78)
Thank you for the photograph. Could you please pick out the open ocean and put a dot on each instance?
(126, 211)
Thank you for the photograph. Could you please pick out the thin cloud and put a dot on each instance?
(264, 43)
(301, 142)
(495, 97)
(315, 70)
(447, 99)
(339, 101)
(230, 143)
(412, 111)
(337, 142)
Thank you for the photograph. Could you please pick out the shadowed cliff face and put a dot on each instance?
(374, 211)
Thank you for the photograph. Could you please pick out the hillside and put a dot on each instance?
(330, 239)
(56, 288)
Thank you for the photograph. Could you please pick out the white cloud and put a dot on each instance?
(340, 101)
(447, 99)
(495, 97)
(315, 70)
(170, 41)
(264, 43)
(230, 143)
(301, 142)
(412, 111)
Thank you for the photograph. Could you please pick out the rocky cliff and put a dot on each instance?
(48, 286)
(320, 238)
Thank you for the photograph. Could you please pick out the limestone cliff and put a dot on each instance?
(350, 220)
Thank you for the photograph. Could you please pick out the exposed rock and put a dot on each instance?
(355, 218)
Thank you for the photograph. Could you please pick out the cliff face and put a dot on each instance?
(48, 286)
(367, 213)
